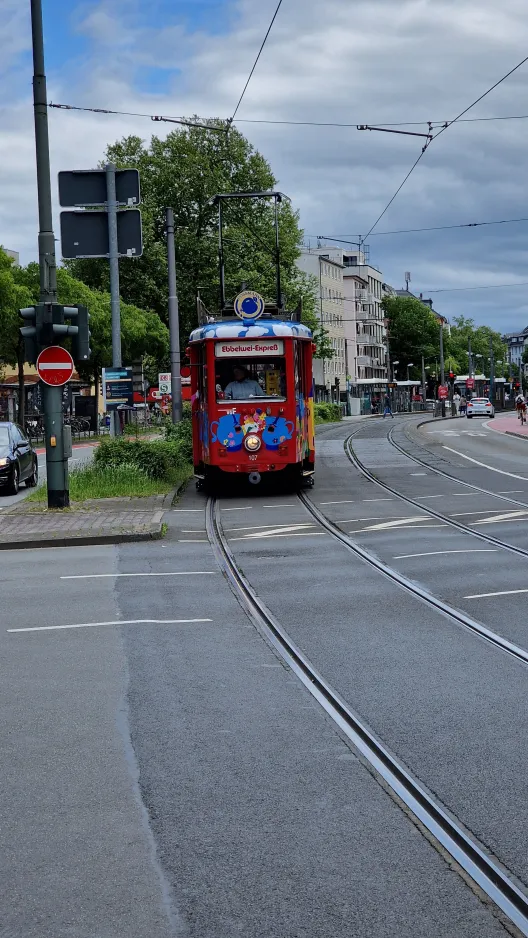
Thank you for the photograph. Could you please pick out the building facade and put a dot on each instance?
(330, 375)
(516, 343)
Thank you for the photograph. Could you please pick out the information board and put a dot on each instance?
(118, 388)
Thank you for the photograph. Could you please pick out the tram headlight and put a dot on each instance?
(252, 443)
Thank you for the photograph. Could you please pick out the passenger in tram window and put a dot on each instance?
(243, 386)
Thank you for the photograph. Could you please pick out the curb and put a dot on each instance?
(81, 541)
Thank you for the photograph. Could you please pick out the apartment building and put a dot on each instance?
(516, 342)
(330, 376)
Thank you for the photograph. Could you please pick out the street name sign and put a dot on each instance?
(55, 366)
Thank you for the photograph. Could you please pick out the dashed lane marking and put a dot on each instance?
(499, 593)
(484, 465)
(99, 576)
(96, 625)
(434, 553)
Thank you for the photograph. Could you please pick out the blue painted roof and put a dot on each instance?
(256, 330)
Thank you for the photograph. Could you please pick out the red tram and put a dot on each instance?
(252, 389)
(252, 398)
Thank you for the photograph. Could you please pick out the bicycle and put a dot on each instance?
(521, 413)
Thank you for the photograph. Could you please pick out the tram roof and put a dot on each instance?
(257, 330)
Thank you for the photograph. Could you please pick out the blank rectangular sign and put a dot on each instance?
(88, 187)
(85, 234)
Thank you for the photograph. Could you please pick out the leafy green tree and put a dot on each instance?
(462, 331)
(13, 297)
(185, 170)
(142, 332)
(413, 331)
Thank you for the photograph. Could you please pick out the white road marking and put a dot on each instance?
(485, 466)
(346, 501)
(189, 540)
(261, 527)
(507, 516)
(377, 499)
(512, 492)
(418, 473)
(479, 511)
(99, 576)
(96, 625)
(434, 553)
(376, 529)
(500, 593)
(186, 510)
(240, 508)
(270, 536)
(398, 522)
(283, 529)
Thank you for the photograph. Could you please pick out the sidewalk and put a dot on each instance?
(510, 425)
(96, 521)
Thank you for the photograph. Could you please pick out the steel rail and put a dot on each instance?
(468, 853)
(459, 525)
(446, 475)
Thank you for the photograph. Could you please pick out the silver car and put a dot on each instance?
(480, 407)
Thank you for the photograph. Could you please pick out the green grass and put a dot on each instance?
(119, 482)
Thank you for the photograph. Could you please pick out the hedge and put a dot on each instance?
(327, 413)
(159, 459)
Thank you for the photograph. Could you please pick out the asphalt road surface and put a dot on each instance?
(164, 774)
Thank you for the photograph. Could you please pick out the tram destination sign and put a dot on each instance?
(252, 348)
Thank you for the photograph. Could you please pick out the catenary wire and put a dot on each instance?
(378, 234)
(289, 123)
(256, 60)
(442, 129)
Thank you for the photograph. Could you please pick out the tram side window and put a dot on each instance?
(242, 380)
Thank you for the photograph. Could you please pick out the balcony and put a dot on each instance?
(365, 361)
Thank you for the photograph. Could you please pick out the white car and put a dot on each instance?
(480, 407)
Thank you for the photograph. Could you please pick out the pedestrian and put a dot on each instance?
(387, 411)
(457, 401)
(462, 407)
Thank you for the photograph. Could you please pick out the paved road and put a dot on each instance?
(170, 777)
(82, 453)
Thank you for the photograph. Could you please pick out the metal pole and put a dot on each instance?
(221, 256)
(277, 254)
(56, 463)
(348, 407)
(442, 368)
(424, 389)
(174, 323)
(113, 258)
(492, 372)
(470, 360)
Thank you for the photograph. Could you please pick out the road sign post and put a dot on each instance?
(55, 368)
(91, 234)
(174, 323)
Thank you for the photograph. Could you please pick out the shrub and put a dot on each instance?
(158, 459)
(327, 413)
(181, 433)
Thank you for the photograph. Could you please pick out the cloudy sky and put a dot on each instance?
(342, 61)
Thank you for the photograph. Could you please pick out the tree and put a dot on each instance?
(142, 332)
(185, 170)
(462, 331)
(13, 297)
(413, 330)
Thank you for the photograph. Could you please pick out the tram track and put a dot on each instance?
(447, 475)
(496, 882)
(432, 512)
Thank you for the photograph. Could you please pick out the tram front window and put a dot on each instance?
(243, 381)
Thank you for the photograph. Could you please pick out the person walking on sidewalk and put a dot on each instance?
(387, 411)
(456, 401)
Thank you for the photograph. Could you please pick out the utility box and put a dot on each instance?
(67, 442)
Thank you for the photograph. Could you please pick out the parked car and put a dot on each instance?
(480, 407)
(18, 459)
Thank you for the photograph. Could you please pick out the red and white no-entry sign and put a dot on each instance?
(55, 366)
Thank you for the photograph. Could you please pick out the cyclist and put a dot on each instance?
(520, 405)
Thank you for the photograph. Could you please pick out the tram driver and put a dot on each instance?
(242, 386)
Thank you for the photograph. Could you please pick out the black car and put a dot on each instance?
(18, 459)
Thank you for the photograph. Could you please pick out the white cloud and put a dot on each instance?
(371, 62)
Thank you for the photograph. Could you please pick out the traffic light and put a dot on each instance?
(29, 333)
(81, 350)
(48, 326)
(452, 377)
